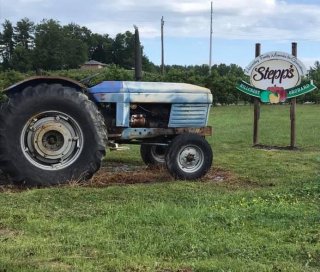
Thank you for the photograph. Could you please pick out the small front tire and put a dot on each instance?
(189, 157)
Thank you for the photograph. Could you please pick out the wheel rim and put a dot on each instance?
(158, 153)
(190, 158)
(51, 140)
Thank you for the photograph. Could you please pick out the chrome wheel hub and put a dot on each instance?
(190, 158)
(51, 140)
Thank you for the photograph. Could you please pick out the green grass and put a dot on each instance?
(266, 218)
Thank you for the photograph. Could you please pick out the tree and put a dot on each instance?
(22, 59)
(6, 44)
(123, 50)
(23, 41)
(48, 53)
(23, 33)
(100, 48)
(75, 50)
(81, 33)
(147, 65)
(314, 74)
(50, 46)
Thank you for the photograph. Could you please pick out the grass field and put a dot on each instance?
(257, 210)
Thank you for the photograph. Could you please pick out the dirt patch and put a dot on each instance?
(127, 175)
(7, 234)
(276, 148)
(228, 179)
(121, 174)
(219, 175)
(117, 173)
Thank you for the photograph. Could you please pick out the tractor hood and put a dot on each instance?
(150, 92)
(146, 87)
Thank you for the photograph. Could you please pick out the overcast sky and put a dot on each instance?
(237, 25)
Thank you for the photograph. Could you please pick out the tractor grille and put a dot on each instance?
(189, 115)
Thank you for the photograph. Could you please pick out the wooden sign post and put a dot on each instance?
(256, 114)
(293, 104)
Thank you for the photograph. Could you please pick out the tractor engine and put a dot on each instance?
(149, 115)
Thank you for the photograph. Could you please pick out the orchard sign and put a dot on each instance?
(275, 77)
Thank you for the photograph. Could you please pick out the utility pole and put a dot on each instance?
(210, 50)
(162, 47)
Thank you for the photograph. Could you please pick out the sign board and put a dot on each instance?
(275, 77)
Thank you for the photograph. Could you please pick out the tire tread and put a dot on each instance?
(9, 110)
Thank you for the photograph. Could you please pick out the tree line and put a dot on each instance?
(59, 50)
(49, 45)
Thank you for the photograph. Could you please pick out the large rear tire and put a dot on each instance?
(189, 157)
(50, 134)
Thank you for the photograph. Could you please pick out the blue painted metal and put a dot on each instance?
(149, 92)
(112, 97)
(123, 115)
(189, 115)
(198, 98)
(146, 87)
(107, 87)
(190, 103)
(162, 87)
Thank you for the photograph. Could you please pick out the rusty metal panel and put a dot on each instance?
(203, 131)
(143, 133)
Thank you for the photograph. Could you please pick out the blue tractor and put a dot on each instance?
(54, 129)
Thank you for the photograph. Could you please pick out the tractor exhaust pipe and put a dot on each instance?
(137, 55)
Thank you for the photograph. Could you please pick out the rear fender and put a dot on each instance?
(33, 81)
